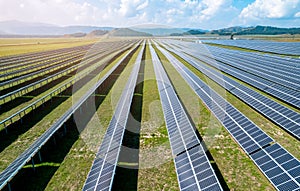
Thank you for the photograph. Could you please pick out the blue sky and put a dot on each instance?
(205, 14)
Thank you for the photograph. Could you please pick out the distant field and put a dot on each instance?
(38, 91)
(12, 46)
(279, 38)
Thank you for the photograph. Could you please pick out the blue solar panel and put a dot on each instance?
(281, 115)
(275, 162)
(193, 168)
(103, 169)
(22, 159)
(263, 83)
(287, 48)
(279, 166)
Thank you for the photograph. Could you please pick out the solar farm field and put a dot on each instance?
(150, 114)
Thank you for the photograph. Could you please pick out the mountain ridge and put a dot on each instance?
(256, 30)
(17, 28)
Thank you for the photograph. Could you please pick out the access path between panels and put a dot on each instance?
(102, 172)
(193, 168)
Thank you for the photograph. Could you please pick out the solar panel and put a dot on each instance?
(281, 115)
(22, 159)
(287, 48)
(285, 92)
(279, 166)
(251, 138)
(194, 171)
(261, 69)
(103, 169)
(22, 112)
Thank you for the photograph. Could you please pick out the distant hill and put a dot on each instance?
(258, 30)
(190, 32)
(194, 32)
(126, 32)
(96, 33)
(167, 31)
(268, 30)
(16, 29)
(160, 31)
(27, 28)
(230, 30)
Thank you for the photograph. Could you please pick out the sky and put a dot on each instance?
(204, 14)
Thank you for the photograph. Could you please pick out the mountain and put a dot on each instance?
(96, 33)
(27, 28)
(190, 32)
(16, 28)
(126, 32)
(164, 31)
(230, 30)
(194, 32)
(160, 31)
(257, 30)
(268, 30)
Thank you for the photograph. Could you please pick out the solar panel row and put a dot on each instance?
(276, 65)
(289, 48)
(281, 92)
(286, 118)
(25, 69)
(25, 59)
(22, 112)
(22, 159)
(289, 80)
(15, 81)
(279, 166)
(103, 169)
(285, 63)
(250, 137)
(194, 171)
(27, 88)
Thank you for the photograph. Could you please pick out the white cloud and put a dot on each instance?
(114, 12)
(61, 12)
(120, 13)
(131, 8)
(270, 9)
(297, 14)
(214, 6)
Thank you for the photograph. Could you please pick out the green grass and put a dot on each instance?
(21, 46)
(84, 150)
(157, 170)
(239, 172)
(156, 166)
